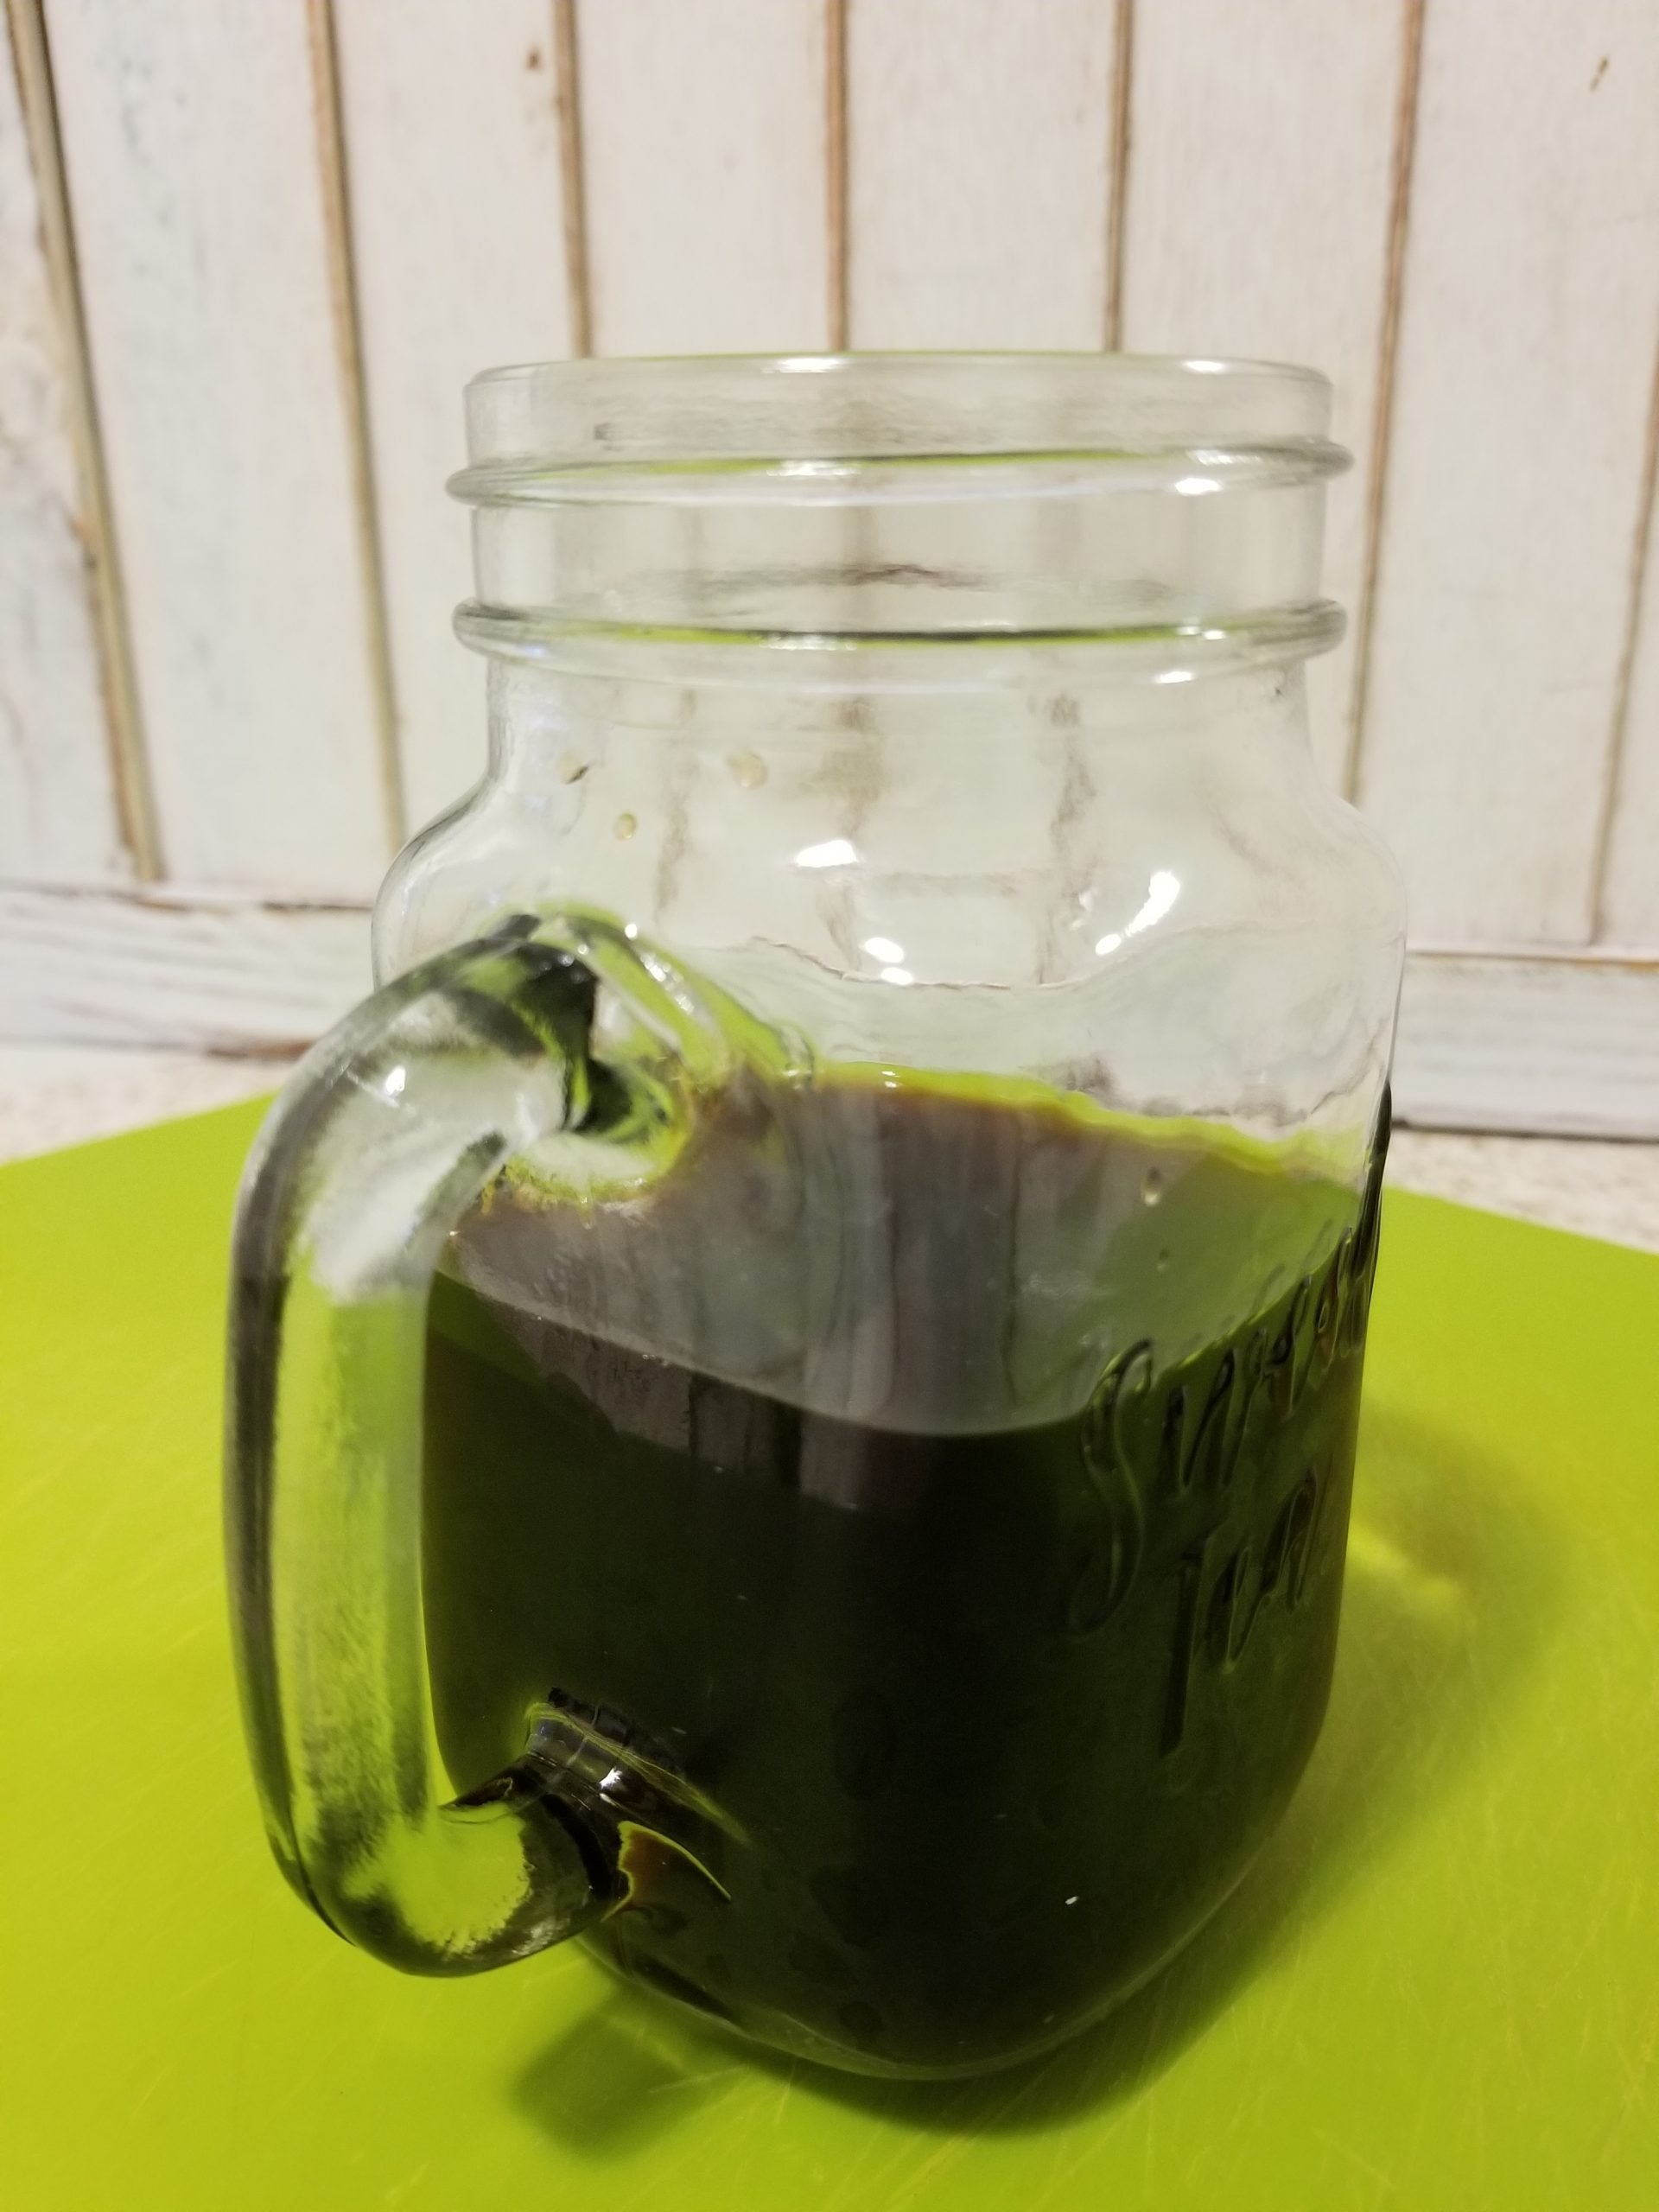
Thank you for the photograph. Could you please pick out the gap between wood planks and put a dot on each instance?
(1641, 553)
(333, 164)
(567, 94)
(835, 157)
(135, 799)
(1117, 168)
(1405, 146)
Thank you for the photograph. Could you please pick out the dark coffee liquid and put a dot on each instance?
(995, 1709)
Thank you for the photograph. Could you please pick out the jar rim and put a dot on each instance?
(835, 500)
(934, 662)
(535, 426)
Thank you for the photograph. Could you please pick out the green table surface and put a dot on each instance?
(1440, 1988)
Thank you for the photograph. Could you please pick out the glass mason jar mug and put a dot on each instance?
(795, 1367)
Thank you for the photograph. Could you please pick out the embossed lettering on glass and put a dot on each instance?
(795, 1367)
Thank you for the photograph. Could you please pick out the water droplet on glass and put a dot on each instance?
(1151, 1186)
(1163, 1261)
(624, 825)
(749, 769)
(572, 767)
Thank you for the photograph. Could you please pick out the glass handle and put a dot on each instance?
(389, 1130)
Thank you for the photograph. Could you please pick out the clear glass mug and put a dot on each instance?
(794, 1370)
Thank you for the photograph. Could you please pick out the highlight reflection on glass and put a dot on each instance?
(1162, 891)
(834, 852)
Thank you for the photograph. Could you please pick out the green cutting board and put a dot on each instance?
(1439, 1988)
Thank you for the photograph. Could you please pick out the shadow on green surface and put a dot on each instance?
(1450, 1600)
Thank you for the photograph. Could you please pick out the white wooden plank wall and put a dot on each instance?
(979, 138)
(448, 279)
(229, 975)
(60, 812)
(1493, 1041)
(704, 146)
(233, 335)
(193, 144)
(1257, 222)
(1530, 321)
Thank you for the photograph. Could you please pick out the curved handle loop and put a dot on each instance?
(389, 1130)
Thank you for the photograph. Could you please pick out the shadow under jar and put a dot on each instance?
(795, 1369)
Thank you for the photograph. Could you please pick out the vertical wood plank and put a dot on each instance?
(193, 159)
(980, 144)
(1257, 223)
(60, 806)
(1628, 904)
(703, 142)
(1529, 320)
(457, 220)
